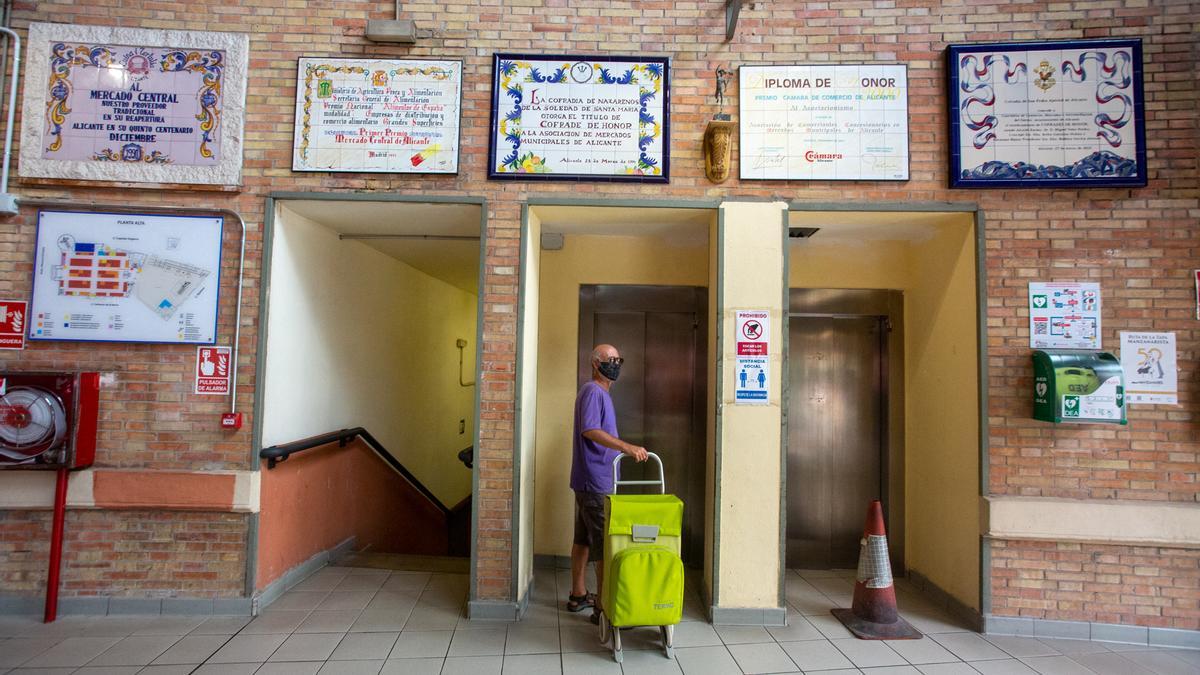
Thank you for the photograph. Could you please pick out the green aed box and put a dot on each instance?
(1078, 386)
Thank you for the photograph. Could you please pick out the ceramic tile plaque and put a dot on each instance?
(133, 105)
(805, 122)
(1047, 114)
(378, 116)
(579, 118)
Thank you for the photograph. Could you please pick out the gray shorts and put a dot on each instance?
(589, 523)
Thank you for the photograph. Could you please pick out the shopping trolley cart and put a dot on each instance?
(643, 573)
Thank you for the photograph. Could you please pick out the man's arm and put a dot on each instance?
(609, 441)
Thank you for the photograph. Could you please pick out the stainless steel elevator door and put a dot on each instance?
(659, 397)
(835, 436)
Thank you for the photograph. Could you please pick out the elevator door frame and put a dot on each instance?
(888, 305)
(658, 298)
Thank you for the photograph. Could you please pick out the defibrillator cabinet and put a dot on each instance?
(1078, 386)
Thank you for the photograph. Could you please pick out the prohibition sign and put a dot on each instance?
(752, 330)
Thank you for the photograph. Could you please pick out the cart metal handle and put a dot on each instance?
(661, 482)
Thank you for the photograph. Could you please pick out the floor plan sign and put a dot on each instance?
(125, 278)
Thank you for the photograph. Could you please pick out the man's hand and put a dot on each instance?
(609, 441)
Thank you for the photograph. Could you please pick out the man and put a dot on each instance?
(595, 445)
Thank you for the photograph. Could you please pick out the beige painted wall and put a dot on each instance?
(748, 574)
(937, 276)
(356, 338)
(586, 259)
(527, 411)
(942, 398)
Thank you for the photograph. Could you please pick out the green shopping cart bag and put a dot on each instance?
(643, 571)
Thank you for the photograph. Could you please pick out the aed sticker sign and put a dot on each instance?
(12, 324)
(752, 377)
(753, 331)
(212, 370)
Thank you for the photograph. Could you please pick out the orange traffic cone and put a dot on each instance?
(874, 615)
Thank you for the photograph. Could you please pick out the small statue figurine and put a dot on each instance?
(722, 77)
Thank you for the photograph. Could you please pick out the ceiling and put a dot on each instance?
(678, 226)
(455, 262)
(843, 227)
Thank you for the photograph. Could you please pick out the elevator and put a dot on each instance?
(661, 332)
(843, 356)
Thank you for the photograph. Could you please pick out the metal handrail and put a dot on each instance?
(279, 453)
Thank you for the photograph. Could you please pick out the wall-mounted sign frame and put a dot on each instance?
(1047, 114)
(580, 118)
(823, 122)
(1064, 315)
(123, 277)
(134, 105)
(377, 115)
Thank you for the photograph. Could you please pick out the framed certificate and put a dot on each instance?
(377, 115)
(824, 122)
(1047, 114)
(580, 118)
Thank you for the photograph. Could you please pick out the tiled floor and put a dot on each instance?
(358, 620)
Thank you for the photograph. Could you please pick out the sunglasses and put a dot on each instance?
(615, 360)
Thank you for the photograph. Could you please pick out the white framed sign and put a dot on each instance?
(823, 122)
(134, 105)
(1064, 315)
(125, 278)
(580, 118)
(377, 115)
(1150, 364)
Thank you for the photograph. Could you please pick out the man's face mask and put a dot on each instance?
(611, 368)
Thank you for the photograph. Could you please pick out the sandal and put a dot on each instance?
(577, 603)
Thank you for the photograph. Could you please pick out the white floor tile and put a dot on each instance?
(762, 658)
(412, 667)
(532, 664)
(868, 653)
(1056, 665)
(707, 661)
(473, 665)
(816, 655)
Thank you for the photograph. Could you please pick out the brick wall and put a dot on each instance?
(1146, 586)
(139, 554)
(1140, 244)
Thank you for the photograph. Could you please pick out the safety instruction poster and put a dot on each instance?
(1148, 360)
(212, 370)
(752, 377)
(125, 278)
(1064, 315)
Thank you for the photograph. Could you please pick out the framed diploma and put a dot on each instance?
(1047, 114)
(824, 122)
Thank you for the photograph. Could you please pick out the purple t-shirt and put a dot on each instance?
(591, 463)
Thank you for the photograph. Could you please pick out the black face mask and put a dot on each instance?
(610, 370)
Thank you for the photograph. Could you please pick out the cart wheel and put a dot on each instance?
(603, 628)
(618, 655)
(668, 636)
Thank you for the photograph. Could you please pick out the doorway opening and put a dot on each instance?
(371, 324)
(636, 277)
(885, 361)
